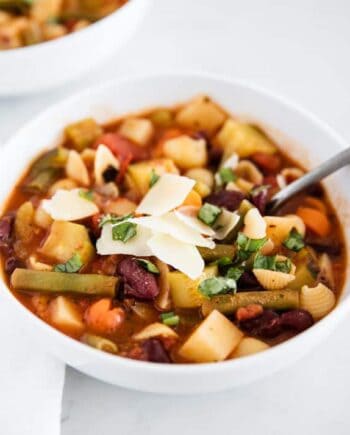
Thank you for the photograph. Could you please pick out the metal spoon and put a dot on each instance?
(333, 164)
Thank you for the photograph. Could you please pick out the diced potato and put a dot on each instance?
(214, 339)
(201, 175)
(43, 10)
(139, 174)
(65, 315)
(83, 133)
(243, 139)
(186, 152)
(42, 219)
(24, 222)
(53, 30)
(249, 346)
(137, 130)
(184, 291)
(201, 114)
(162, 118)
(155, 330)
(66, 239)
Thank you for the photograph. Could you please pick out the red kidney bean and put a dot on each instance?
(267, 325)
(11, 264)
(298, 320)
(229, 199)
(154, 351)
(6, 224)
(248, 281)
(138, 282)
(259, 197)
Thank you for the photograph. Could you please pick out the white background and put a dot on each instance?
(300, 49)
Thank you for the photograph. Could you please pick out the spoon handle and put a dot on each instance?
(333, 164)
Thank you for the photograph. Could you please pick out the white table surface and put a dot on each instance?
(299, 48)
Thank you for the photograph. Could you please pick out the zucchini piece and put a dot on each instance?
(66, 239)
(59, 282)
(100, 343)
(217, 252)
(243, 139)
(83, 133)
(274, 299)
(184, 291)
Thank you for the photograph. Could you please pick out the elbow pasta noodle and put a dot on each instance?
(319, 300)
(279, 227)
(249, 172)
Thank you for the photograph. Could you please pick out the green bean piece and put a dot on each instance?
(99, 343)
(42, 181)
(218, 252)
(276, 300)
(59, 282)
(55, 158)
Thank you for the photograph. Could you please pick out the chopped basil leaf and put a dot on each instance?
(148, 265)
(235, 272)
(270, 262)
(73, 265)
(154, 178)
(111, 219)
(294, 241)
(217, 285)
(86, 194)
(209, 213)
(247, 246)
(124, 231)
(170, 319)
(227, 175)
(224, 261)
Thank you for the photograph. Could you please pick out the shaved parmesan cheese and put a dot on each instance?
(69, 205)
(76, 169)
(182, 256)
(231, 162)
(136, 246)
(225, 224)
(168, 193)
(171, 225)
(188, 215)
(104, 158)
(254, 224)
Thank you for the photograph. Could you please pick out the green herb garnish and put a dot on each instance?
(124, 231)
(111, 219)
(270, 262)
(154, 178)
(235, 272)
(73, 265)
(148, 265)
(227, 175)
(247, 246)
(170, 319)
(295, 241)
(209, 214)
(86, 194)
(217, 285)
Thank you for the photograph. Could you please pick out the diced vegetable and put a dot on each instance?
(83, 133)
(186, 152)
(315, 220)
(41, 182)
(243, 139)
(100, 343)
(184, 291)
(213, 340)
(103, 318)
(249, 346)
(139, 174)
(42, 219)
(201, 114)
(65, 314)
(57, 282)
(55, 158)
(162, 118)
(66, 239)
(192, 199)
(303, 276)
(24, 222)
(217, 252)
(138, 130)
(274, 299)
(209, 213)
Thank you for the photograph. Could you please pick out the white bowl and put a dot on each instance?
(49, 64)
(309, 140)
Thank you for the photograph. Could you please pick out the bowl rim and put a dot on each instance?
(327, 324)
(51, 44)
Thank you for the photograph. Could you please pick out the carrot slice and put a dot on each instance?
(101, 318)
(315, 220)
(193, 198)
(313, 202)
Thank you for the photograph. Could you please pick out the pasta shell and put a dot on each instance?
(279, 227)
(76, 169)
(272, 280)
(291, 174)
(254, 224)
(249, 346)
(318, 300)
(155, 330)
(248, 171)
